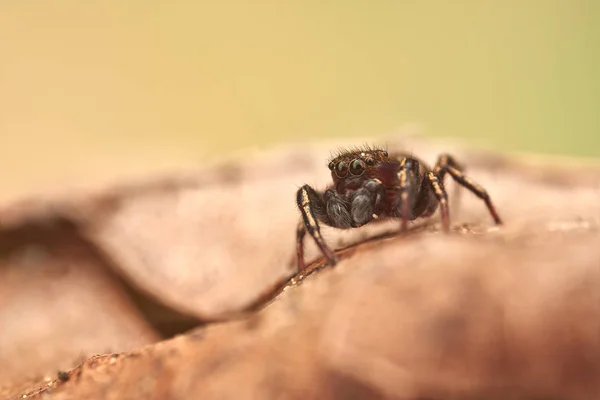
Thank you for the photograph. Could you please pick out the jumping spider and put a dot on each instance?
(370, 184)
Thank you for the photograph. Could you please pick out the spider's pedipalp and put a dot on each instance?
(337, 209)
(366, 202)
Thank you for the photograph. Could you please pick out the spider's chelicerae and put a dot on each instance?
(370, 184)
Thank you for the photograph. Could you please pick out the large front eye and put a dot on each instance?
(341, 169)
(357, 167)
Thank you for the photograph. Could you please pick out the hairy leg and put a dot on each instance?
(437, 187)
(408, 190)
(337, 211)
(447, 164)
(300, 234)
(313, 208)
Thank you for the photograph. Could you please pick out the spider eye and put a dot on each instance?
(357, 167)
(341, 169)
(369, 161)
(385, 154)
(331, 165)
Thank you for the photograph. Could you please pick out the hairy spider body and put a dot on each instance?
(370, 184)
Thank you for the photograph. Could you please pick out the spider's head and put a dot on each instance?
(351, 168)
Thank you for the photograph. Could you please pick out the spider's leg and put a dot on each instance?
(437, 186)
(446, 159)
(408, 190)
(300, 234)
(443, 161)
(446, 163)
(312, 207)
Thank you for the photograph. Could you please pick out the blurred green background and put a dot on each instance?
(88, 87)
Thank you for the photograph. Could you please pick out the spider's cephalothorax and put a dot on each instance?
(371, 184)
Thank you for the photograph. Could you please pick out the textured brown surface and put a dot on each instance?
(59, 304)
(482, 311)
(421, 316)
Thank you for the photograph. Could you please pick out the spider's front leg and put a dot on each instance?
(328, 208)
(408, 190)
(338, 211)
